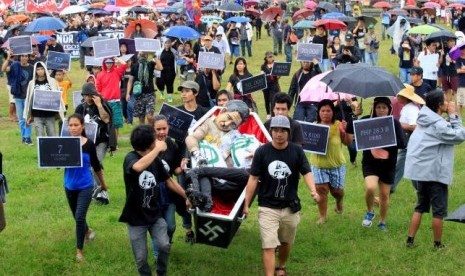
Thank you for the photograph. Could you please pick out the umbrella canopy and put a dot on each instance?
(398, 12)
(422, 29)
(432, 5)
(99, 5)
(231, 7)
(88, 42)
(456, 6)
(413, 20)
(327, 6)
(98, 12)
(441, 36)
(252, 11)
(34, 40)
(304, 24)
(302, 12)
(311, 5)
(455, 52)
(411, 8)
(330, 24)
(45, 24)
(211, 18)
(367, 19)
(130, 44)
(138, 9)
(207, 9)
(333, 15)
(112, 8)
(315, 90)
(382, 4)
(18, 18)
(250, 4)
(270, 14)
(148, 27)
(41, 38)
(73, 10)
(237, 19)
(182, 32)
(376, 81)
(458, 215)
(347, 19)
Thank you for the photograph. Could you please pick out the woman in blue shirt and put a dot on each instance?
(79, 183)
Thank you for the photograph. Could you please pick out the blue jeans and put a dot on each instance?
(79, 201)
(304, 111)
(371, 58)
(246, 43)
(384, 28)
(404, 75)
(128, 108)
(288, 52)
(324, 63)
(187, 218)
(362, 55)
(23, 128)
(138, 240)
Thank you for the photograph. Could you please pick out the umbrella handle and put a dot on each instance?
(340, 107)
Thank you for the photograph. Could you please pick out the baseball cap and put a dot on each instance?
(416, 70)
(189, 85)
(280, 121)
(89, 89)
(109, 60)
(349, 36)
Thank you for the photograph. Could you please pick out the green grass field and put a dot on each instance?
(40, 237)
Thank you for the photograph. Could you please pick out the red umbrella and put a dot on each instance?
(411, 8)
(311, 5)
(252, 11)
(149, 28)
(250, 4)
(398, 12)
(456, 6)
(302, 12)
(330, 24)
(382, 4)
(271, 13)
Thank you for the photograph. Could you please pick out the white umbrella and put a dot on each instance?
(73, 9)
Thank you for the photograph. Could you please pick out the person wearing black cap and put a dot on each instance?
(53, 46)
(278, 165)
(349, 53)
(379, 165)
(421, 87)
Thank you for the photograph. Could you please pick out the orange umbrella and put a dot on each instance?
(17, 18)
(99, 5)
(149, 28)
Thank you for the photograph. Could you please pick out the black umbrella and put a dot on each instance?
(458, 215)
(138, 9)
(327, 6)
(88, 42)
(440, 36)
(9, 31)
(98, 12)
(363, 80)
(367, 19)
(231, 7)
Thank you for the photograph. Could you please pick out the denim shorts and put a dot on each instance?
(335, 177)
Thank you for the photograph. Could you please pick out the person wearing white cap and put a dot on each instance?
(278, 165)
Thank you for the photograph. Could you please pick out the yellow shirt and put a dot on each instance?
(64, 85)
(334, 157)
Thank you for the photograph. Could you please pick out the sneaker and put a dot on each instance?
(28, 141)
(439, 246)
(368, 220)
(162, 95)
(410, 244)
(90, 235)
(169, 98)
(382, 226)
(190, 237)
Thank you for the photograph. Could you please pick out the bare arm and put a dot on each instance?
(147, 159)
(101, 111)
(310, 182)
(216, 82)
(249, 193)
(408, 127)
(102, 180)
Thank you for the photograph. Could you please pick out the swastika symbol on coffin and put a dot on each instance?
(214, 231)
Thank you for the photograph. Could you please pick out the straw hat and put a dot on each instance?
(409, 93)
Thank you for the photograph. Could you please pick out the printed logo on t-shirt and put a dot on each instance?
(148, 183)
(280, 171)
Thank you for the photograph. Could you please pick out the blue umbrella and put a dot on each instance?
(237, 19)
(333, 15)
(42, 38)
(182, 32)
(45, 24)
(304, 24)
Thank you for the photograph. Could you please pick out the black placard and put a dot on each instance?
(309, 51)
(253, 84)
(59, 152)
(21, 45)
(147, 44)
(58, 61)
(46, 100)
(91, 130)
(375, 133)
(178, 120)
(315, 137)
(211, 60)
(77, 98)
(281, 68)
(106, 48)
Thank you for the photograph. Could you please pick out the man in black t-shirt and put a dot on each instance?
(209, 83)
(189, 92)
(53, 46)
(281, 105)
(277, 165)
(421, 87)
(143, 174)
